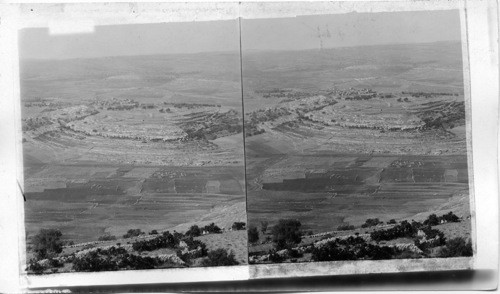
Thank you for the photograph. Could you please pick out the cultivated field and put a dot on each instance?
(140, 142)
(339, 136)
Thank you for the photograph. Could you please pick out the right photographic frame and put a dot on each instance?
(357, 135)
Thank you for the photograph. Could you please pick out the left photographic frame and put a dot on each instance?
(132, 148)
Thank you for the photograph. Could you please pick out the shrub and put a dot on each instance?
(371, 222)
(219, 257)
(106, 237)
(294, 253)
(275, 257)
(391, 221)
(133, 233)
(253, 234)
(195, 244)
(194, 231)
(47, 243)
(138, 262)
(153, 232)
(93, 262)
(351, 248)
(166, 240)
(35, 267)
(212, 229)
(432, 220)
(404, 229)
(330, 251)
(113, 259)
(176, 235)
(456, 247)
(431, 233)
(238, 226)
(450, 217)
(286, 233)
(196, 249)
(345, 227)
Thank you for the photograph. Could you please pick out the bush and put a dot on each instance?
(286, 233)
(403, 230)
(345, 227)
(219, 257)
(253, 234)
(106, 237)
(450, 217)
(294, 253)
(35, 267)
(238, 226)
(330, 251)
(212, 229)
(93, 262)
(113, 259)
(166, 240)
(352, 248)
(194, 231)
(195, 244)
(137, 262)
(371, 222)
(133, 233)
(196, 249)
(47, 243)
(153, 232)
(432, 220)
(456, 247)
(391, 221)
(275, 257)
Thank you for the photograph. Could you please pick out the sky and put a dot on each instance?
(350, 30)
(299, 33)
(134, 39)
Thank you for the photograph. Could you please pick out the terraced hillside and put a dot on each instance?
(118, 143)
(339, 137)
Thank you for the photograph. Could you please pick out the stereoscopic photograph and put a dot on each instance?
(250, 141)
(133, 149)
(356, 137)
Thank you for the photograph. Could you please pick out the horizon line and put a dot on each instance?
(235, 51)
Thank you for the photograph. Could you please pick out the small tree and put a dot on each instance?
(238, 226)
(253, 234)
(371, 222)
(133, 233)
(432, 220)
(194, 231)
(212, 228)
(450, 217)
(219, 257)
(457, 247)
(35, 267)
(286, 233)
(47, 243)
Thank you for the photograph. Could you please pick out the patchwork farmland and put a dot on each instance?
(357, 155)
(122, 150)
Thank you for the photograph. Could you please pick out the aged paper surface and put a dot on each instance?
(188, 142)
